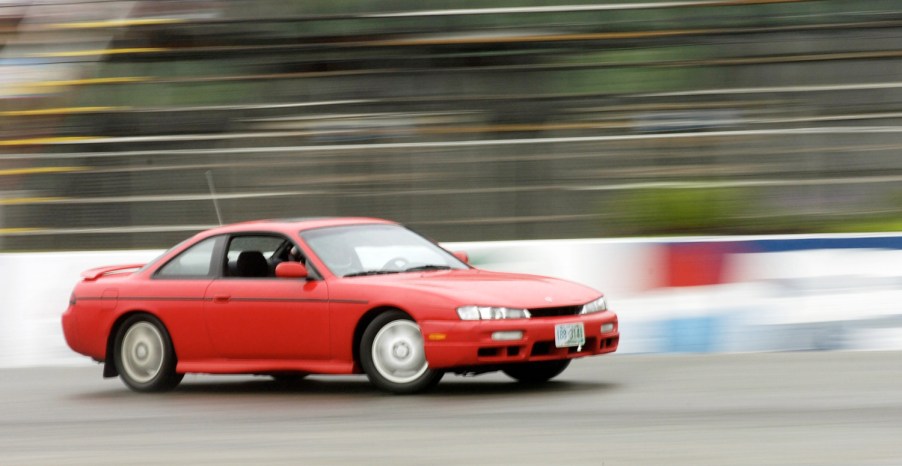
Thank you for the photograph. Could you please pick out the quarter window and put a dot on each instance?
(195, 261)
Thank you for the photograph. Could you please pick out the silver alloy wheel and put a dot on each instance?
(142, 352)
(398, 352)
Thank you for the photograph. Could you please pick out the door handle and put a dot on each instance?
(222, 298)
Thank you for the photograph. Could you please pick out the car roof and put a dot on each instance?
(295, 224)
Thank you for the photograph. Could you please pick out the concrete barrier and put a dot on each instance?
(34, 292)
(672, 295)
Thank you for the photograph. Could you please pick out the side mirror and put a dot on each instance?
(462, 256)
(291, 270)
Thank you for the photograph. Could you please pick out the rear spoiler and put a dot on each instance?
(94, 274)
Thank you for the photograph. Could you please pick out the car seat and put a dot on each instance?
(252, 264)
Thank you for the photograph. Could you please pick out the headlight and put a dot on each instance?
(490, 313)
(595, 306)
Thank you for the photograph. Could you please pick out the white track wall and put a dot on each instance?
(674, 295)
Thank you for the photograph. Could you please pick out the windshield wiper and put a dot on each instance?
(370, 272)
(423, 268)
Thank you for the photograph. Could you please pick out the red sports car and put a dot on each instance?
(288, 298)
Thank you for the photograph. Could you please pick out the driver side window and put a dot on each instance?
(255, 256)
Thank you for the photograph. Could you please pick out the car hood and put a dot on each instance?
(482, 287)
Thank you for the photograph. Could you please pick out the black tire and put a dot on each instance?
(393, 357)
(144, 355)
(537, 372)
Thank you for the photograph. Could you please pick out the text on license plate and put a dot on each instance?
(566, 335)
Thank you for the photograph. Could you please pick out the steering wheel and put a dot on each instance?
(397, 263)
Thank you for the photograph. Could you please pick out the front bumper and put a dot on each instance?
(464, 344)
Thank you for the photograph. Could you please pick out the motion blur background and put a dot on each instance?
(467, 120)
(585, 126)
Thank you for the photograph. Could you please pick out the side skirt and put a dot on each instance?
(262, 366)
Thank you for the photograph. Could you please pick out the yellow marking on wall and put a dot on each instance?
(115, 23)
(91, 81)
(30, 200)
(40, 170)
(15, 231)
(59, 111)
(91, 53)
(50, 140)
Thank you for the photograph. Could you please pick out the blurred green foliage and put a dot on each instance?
(725, 211)
(678, 211)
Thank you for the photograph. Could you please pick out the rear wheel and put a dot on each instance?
(537, 372)
(144, 355)
(393, 356)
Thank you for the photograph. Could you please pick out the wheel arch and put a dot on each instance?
(363, 323)
(109, 365)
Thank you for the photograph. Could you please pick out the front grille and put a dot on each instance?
(555, 311)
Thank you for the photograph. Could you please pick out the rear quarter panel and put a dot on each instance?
(100, 304)
(179, 304)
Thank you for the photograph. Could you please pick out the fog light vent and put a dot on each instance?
(607, 328)
(507, 335)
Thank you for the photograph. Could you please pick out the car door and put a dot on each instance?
(251, 314)
(176, 294)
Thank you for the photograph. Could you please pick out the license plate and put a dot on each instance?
(567, 335)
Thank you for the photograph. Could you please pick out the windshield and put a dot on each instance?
(377, 249)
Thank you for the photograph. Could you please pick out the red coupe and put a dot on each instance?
(288, 298)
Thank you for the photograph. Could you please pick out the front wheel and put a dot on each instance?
(537, 372)
(393, 356)
(144, 355)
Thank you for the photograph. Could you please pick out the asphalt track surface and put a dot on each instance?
(824, 408)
